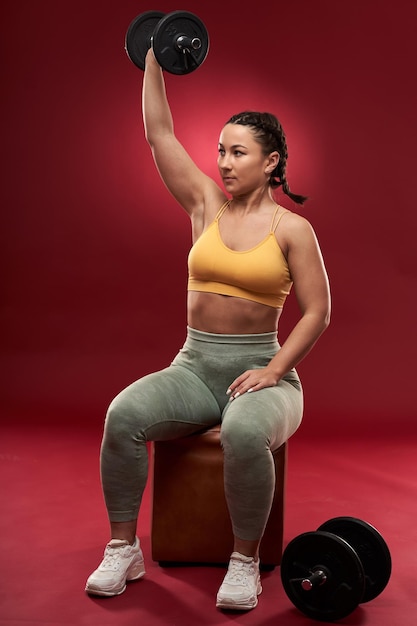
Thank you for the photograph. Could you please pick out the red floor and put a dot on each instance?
(53, 531)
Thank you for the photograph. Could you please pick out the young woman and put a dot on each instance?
(248, 253)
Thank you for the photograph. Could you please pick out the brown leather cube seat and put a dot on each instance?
(190, 520)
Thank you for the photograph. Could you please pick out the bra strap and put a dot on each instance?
(222, 209)
(273, 228)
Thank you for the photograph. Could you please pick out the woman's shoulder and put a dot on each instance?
(295, 228)
(293, 220)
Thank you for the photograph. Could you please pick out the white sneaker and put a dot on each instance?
(241, 585)
(121, 562)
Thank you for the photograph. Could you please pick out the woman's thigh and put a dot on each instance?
(265, 418)
(164, 405)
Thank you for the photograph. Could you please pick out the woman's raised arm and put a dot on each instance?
(186, 182)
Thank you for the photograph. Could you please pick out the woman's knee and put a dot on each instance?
(261, 422)
(242, 437)
(133, 409)
(118, 423)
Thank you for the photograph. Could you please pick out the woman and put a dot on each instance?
(248, 252)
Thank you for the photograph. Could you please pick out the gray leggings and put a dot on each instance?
(190, 395)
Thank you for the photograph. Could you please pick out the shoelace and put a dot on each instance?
(239, 572)
(111, 557)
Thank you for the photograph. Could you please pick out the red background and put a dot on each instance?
(94, 248)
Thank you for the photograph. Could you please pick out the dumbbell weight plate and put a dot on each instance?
(344, 588)
(371, 548)
(139, 36)
(169, 56)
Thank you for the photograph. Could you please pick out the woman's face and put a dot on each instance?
(241, 162)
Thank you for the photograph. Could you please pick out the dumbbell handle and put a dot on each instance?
(316, 579)
(183, 42)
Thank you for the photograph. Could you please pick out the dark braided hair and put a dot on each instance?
(270, 134)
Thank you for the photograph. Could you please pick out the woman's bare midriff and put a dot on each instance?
(215, 313)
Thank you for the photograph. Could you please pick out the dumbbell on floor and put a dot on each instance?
(179, 40)
(328, 573)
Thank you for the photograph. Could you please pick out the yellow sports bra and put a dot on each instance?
(260, 274)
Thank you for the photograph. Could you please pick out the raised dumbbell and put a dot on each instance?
(326, 574)
(179, 40)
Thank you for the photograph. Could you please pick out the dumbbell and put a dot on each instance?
(179, 40)
(326, 574)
